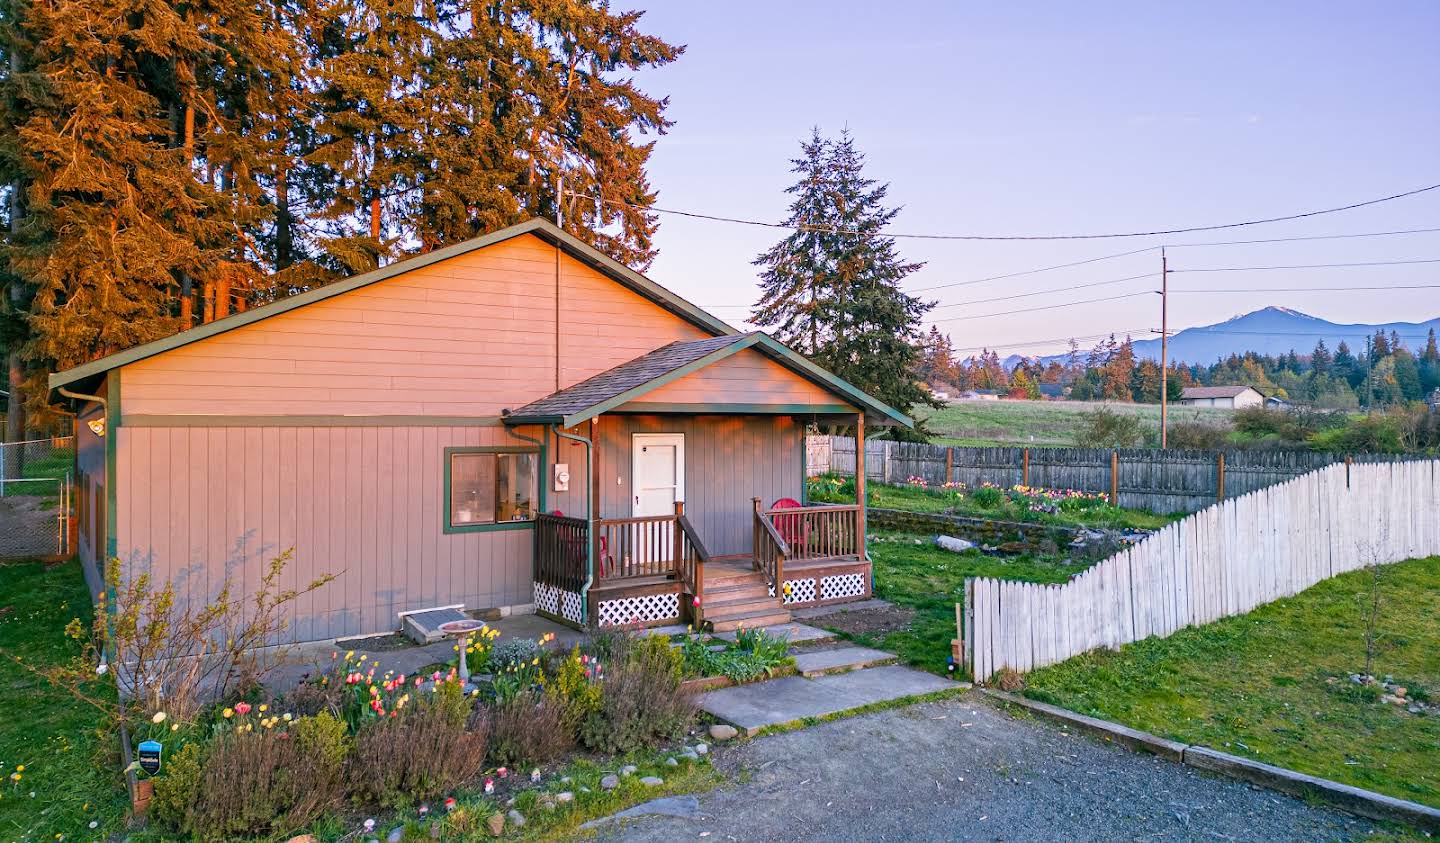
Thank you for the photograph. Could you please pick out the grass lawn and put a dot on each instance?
(1259, 684)
(1053, 423)
(42, 475)
(912, 573)
(915, 499)
(71, 774)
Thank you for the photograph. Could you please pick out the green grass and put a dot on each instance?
(915, 499)
(1052, 423)
(70, 757)
(1258, 685)
(50, 468)
(912, 572)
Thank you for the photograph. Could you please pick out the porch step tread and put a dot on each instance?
(727, 622)
(728, 591)
(756, 705)
(713, 606)
(820, 662)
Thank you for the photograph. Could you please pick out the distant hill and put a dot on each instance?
(1271, 330)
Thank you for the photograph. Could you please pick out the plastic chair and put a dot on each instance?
(792, 528)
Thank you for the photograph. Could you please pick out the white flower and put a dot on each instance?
(158, 717)
(101, 669)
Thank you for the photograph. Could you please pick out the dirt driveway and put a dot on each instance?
(963, 770)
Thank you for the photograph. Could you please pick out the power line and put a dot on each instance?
(1034, 271)
(1045, 307)
(1045, 292)
(1313, 289)
(1310, 237)
(1306, 266)
(1008, 345)
(820, 229)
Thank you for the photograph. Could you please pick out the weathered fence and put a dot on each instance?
(1137, 478)
(1224, 560)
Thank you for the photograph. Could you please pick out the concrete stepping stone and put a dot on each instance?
(795, 633)
(752, 707)
(813, 663)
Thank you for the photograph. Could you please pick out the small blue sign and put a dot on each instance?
(150, 756)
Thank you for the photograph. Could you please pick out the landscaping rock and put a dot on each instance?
(690, 755)
(671, 762)
(953, 544)
(496, 824)
(610, 782)
(722, 732)
(652, 781)
(702, 749)
(628, 770)
(517, 819)
(565, 796)
(396, 834)
(299, 838)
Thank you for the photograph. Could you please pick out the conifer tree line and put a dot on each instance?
(166, 164)
(1385, 372)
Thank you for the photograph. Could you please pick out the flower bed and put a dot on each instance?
(753, 655)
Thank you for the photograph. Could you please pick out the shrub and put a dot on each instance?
(642, 703)
(513, 653)
(987, 497)
(262, 783)
(755, 653)
(529, 728)
(419, 752)
(1105, 428)
(576, 688)
(1197, 435)
(177, 786)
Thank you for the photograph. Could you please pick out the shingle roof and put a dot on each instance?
(614, 382)
(1214, 391)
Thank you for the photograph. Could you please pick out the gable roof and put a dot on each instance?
(634, 378)
(1215, 391)
(542, 228)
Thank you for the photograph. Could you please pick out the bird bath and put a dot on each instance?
(462, 630)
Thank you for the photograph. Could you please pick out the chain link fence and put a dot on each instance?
(36, 497)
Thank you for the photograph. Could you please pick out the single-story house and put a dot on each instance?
(514, 423)
(1233, 397)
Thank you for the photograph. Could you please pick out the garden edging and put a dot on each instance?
(1355, 800)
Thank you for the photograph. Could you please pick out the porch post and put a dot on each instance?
(860, 480)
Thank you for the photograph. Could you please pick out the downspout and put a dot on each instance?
(589, 516)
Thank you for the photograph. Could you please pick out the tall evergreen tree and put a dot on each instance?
(797, 273)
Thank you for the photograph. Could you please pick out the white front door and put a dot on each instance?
(658, 473)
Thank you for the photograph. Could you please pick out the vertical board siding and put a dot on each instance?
(203, 503)
(1160, 481)
(748, 377)
(729, 461)
(1224, 560)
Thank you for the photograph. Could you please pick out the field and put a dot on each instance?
(1054, 423)
(1274, 684)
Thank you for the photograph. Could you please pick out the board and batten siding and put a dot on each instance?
(364, 503)
(729, 460)
(90, 501)
(470, 335)
(745, 378)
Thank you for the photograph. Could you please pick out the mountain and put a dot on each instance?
(1271, 330)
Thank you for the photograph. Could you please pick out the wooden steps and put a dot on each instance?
(736, 595)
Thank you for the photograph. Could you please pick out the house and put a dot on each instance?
(513, 423)
(980, 395)
(1053, 391)
(1234, 397)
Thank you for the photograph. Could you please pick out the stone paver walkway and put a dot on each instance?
(757, 705)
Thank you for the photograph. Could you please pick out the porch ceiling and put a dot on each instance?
(631, 380)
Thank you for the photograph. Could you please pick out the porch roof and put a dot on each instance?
(632, 379)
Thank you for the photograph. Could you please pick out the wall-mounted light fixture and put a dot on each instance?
(97, 426)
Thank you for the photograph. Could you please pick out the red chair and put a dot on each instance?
(794, 529)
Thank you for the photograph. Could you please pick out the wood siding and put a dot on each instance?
(90, 496)
(467, 336)
(728, 461)
(745, 378)
(365, 503)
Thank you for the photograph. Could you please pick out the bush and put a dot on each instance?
(642, 704)
(263, 783)
(529, 728)
(1197, 435)
(1105, 428)
(177, 786)
(516, 652)
(576, 688)
(987, 497)
(422, 751)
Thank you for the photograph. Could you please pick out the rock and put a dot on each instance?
(690, 755)
(628, 770)
(671, 762)
(1392, 699)
(652, 781)
(610, 782)
(564, 779)
(299, 838)
(564, 796)
(396, 834)
(584, 789)
(1400, 691)
(702, 749)
(517, 819)
(496, 824)
(953, 544)
(722, 732)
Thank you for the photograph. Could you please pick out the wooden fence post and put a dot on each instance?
(1025, 467)
(1114, 478)
(1220, 476)
(949, 462)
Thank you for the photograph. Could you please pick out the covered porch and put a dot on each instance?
(690, 504)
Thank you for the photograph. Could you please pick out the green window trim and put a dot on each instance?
(448, 528)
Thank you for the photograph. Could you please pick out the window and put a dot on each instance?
(491, 488)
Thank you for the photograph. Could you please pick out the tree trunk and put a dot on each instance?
(15, 418)
(284, 222)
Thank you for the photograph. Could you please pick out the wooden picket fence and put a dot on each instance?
(1224, 560)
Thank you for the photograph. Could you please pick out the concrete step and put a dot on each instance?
(750, 620)
(812, 663)
(789, 699)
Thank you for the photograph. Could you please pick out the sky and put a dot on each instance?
(1065, 118)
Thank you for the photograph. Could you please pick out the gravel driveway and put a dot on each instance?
(963, 770)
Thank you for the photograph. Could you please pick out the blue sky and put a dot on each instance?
(1042, 118)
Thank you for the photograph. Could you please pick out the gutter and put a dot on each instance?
(589, 516)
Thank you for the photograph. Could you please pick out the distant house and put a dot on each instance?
(1052, 391)
(1276, 402)
(980, 395)
(1232, 397)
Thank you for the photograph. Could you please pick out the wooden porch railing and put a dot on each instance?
(770, 549)
(819, 532)
(560, 551)
(692, 557)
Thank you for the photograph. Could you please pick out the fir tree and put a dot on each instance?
(798, 272)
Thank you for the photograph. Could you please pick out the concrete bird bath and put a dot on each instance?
(461, 631)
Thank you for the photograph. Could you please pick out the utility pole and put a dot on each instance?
(1164, 344)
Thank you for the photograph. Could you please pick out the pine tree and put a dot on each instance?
(1320, 359)
(798, 271)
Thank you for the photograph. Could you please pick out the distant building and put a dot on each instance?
(1276, 402)
(1232, 397)
(1052, 391)
(980, 395)
(1434, 399)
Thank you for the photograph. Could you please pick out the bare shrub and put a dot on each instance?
(1197, 435)
(425, 749)
(1009, 681)
(529, 728)
(1105, 428)
(642, 704)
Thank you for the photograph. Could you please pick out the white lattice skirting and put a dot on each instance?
(801, 591)
(842, 585)
(559, 602)
(646, 608)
